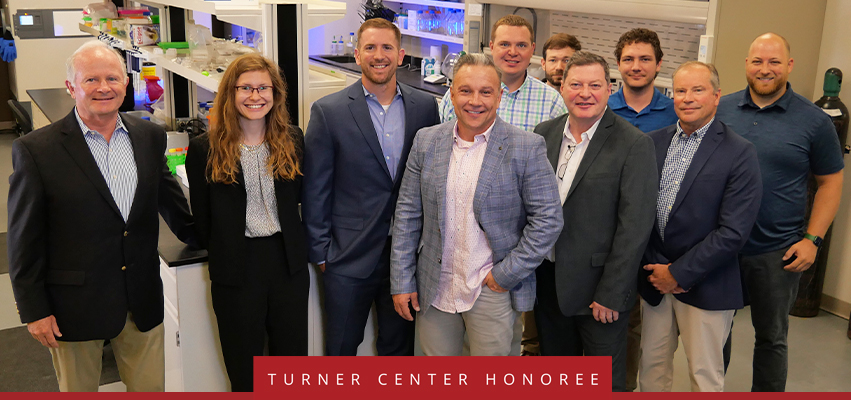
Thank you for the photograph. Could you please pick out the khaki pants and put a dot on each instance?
(489, 325)
(139, 355)
(703, 333)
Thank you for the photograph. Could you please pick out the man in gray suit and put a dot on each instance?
(477, 212)
(606, 172)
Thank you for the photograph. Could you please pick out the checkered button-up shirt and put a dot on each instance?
(680, 153)
(532, 103)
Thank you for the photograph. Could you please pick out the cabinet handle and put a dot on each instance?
(177, 338)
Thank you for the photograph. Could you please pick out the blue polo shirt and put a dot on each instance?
(792, 138)
(657, 115)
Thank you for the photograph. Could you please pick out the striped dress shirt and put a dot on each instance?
(115, 161)
(532, 103)
(467, 255)
(680, 153)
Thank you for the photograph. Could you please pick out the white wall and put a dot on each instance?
(834, 52)
(41, 62)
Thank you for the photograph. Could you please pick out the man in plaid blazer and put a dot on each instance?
(478, 210)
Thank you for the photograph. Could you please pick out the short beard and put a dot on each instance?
(370, 77)
(551, 79)
(779, 84)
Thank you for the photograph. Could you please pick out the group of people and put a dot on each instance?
(516, 205)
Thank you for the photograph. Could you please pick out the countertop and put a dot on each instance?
(403, 74)
(174, 252)
(55, 104)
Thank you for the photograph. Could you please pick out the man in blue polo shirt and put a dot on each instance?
(793, 138)
(639, 56)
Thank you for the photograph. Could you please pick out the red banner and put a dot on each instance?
(430, 377)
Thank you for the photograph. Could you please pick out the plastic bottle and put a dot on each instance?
(334, 45)
(412, 20)
(421, 21)
(202, 110)
(351, 44)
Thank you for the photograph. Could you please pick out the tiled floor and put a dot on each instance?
(820, 352)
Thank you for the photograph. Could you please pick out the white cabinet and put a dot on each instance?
(193, 354)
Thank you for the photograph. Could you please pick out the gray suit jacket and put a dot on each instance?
(516, 204)
(608, 213)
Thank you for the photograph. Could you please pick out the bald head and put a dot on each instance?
(771, 39)
(767, 68)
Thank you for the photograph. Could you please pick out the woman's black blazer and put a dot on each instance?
(219, 212)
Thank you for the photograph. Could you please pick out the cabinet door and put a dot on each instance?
(173, 355)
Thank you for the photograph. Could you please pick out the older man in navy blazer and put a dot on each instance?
(355, 150)
(478, 210)
(709, 195)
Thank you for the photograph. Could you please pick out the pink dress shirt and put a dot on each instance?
(467, 255)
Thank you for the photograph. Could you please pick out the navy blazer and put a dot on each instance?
(709, 222)
(348, 197)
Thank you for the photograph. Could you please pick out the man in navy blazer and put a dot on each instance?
(709, 194)
(356, 146)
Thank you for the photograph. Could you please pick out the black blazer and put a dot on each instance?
(710, 220)
(219, 212)
(70, 252)
(608, 215)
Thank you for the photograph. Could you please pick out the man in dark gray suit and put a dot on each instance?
(355, 149)
(606, 170)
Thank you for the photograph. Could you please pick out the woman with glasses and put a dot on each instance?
(245, 184)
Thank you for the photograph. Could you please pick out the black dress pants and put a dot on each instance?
(269, 303)
(578, 335)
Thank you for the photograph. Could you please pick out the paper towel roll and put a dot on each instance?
(436, 52)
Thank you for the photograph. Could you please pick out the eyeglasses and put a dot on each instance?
(248, 89)
(562, 168)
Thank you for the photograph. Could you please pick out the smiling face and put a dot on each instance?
(695, 100)
(767, 67)
(586, 93)
(638, 65)
(99, 84)
(554, 65)
(254, 104)
(378, 55)
(512, 50)
(475, 93)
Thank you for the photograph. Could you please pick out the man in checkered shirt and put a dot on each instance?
(709, 194)
(526, 101)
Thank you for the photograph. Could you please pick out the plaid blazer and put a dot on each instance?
(516, 204)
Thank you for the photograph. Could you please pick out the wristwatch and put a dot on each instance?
(816, 240)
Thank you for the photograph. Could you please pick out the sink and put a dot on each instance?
(339, 59)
